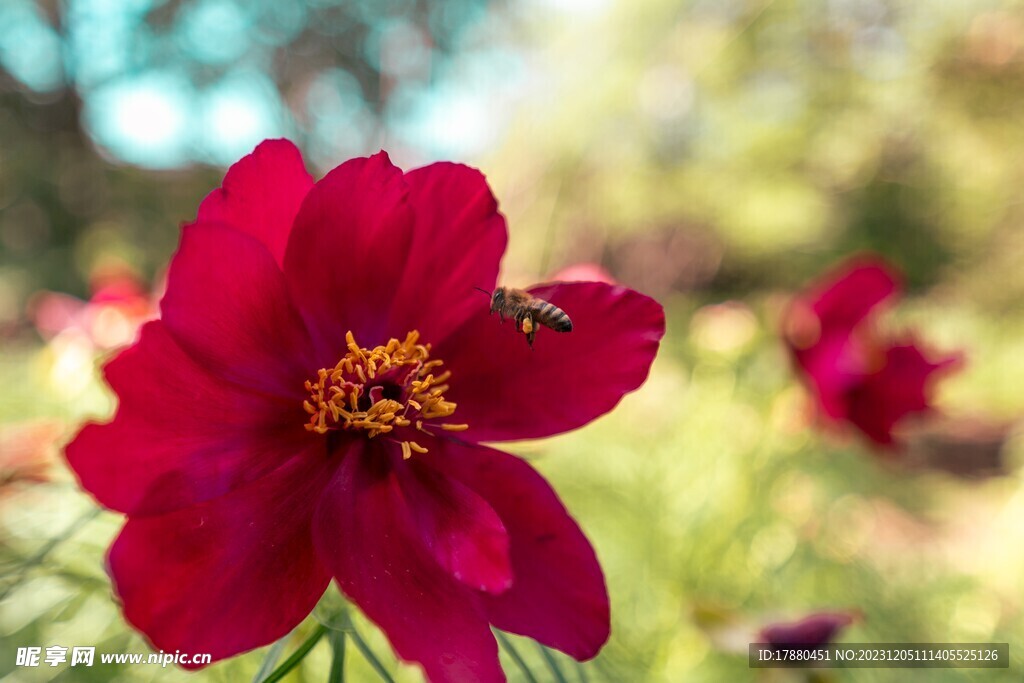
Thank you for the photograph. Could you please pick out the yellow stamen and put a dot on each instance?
(335, 395)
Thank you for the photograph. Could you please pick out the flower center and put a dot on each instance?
(390, 389)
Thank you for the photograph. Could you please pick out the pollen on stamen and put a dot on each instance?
(351, 395)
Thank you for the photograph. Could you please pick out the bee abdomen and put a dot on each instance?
(546, 313)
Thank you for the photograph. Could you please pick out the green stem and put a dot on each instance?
(270, 661)
(297, 656)
(47, 548)
(549, 659)
(337, 674)
(510, 649)
(367, 652)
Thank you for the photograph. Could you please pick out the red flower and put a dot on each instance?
(814, 630)
(289, 419)
(858, 374)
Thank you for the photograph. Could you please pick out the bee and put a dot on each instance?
(528, 312)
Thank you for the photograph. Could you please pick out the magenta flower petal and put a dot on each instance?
(821, 325)
(813, 630)
(227, 305)
(261, 194)
(223, 435)
(847, 296)
(458, 242)
(558, 596)
(566, 380)
(858, 374)
(367, 534)
(458, 527)
(898, 389)
(349, 248)
(228, 575)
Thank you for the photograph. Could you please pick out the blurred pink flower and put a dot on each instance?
(289, 420)
(583, 272)
(814, 630)
(858, 374)
(119, 304)
(28, 452)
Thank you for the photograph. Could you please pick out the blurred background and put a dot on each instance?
(715, 154)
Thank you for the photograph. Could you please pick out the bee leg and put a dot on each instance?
(529, 329)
